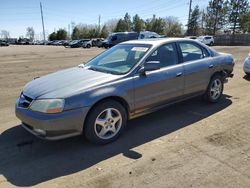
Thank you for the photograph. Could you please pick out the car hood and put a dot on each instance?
(66, 83)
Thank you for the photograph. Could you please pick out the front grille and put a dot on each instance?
(24, 101)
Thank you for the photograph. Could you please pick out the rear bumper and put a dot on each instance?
(53, 126)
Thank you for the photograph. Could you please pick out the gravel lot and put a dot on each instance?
(191, 144)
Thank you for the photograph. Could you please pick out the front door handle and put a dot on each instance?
(179, 74)
(211, 66)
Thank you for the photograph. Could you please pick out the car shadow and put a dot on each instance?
(27, 161)
(246, 77)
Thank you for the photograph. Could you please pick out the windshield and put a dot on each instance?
(118, 60)
(74, 41)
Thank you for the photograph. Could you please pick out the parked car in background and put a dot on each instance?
(66, 43)
(97, 42)
(116, 38)
(208, 40)
(246, 66)
(191, 37)
(128, 80)
(4, 43)
(77, 43)
(87, 43)
(148, 35)
(23, 41)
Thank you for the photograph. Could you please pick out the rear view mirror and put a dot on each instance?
(150, 66)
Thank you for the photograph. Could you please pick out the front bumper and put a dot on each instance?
(53, 126)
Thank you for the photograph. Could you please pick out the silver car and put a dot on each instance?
(246, 66)
(131, 79)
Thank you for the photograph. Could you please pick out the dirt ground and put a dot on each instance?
(191, 144)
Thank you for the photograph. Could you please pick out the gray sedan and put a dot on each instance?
(131, 79)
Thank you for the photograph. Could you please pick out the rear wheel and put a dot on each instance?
(215, 89)
(105, 122)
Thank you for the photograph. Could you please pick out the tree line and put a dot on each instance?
(169, 26)
(220, 16)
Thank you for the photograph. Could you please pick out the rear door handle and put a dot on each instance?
(211, 66)
(179, 74)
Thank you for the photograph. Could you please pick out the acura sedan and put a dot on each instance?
(128, 80)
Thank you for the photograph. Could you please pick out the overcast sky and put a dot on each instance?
(17, 15)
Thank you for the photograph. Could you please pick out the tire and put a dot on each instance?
(211, 44)
(88, 46)
(105, 122)
(215, 89)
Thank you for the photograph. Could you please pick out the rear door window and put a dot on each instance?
(191, 52)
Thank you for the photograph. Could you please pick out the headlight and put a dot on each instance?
(47, 105)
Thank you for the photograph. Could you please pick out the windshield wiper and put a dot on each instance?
(98, 69)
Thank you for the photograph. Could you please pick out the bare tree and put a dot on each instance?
(30, 33)
(5, 34)
(170, 20)
(111, 25)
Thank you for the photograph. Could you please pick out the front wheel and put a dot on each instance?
(105, 122)
(214, 89)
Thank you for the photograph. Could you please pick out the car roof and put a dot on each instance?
(156, 41)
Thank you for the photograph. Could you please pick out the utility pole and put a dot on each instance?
(99, 23)
(69, 31)
(202, 22)
(189, 14)
(41, 8)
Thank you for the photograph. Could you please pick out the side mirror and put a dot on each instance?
(149, 66)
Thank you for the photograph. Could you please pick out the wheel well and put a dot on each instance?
(114, 98)
(221, 73)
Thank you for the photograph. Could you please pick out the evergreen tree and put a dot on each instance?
(128, 22)
(76, 33)
(61, 34)
(52, 36)
(194, 24)
(156, 25)
(149, 23)
(121, 26)
(245, 22)
(138, 23)
(215, 17)
(236, 9)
